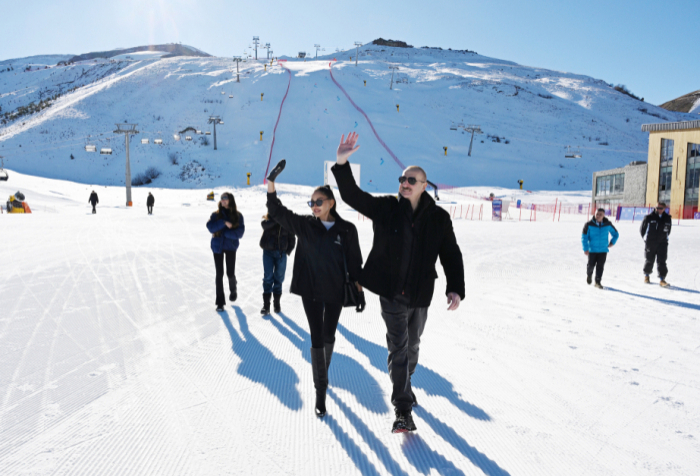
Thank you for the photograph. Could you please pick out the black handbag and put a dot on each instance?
(351, 296)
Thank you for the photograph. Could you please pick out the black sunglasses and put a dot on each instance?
(411, 180)
(318, 202)
(661, 208)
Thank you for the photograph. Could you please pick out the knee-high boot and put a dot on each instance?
(329, 353)
(320, 374)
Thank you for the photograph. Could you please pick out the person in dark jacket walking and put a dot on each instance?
(410, 233)
(655, 229)
(596, 245)
(150, 201)
(227, 227)
(326, 244)
(277, 243)
(94, 201)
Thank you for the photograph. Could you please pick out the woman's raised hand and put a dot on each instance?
(346, 148)
(277, 170)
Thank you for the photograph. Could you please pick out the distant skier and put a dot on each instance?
(227, 227)
(655, 229)
(94, 200)
(326, 244)
(277, 243)
(410, 233)
(150, 201)
(596, 245)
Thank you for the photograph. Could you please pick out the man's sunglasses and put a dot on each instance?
(661, 208)
(411, 180)
(318, 202)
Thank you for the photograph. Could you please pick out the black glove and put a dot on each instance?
(361, 304)
(277, 170)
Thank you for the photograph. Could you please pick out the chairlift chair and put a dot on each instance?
(90, 148)
(144, 141)
(188, 137)
(199, 132)
(230, 96)
(572, 153)
(223, 92)
(208, 133)
(221, 123)
(453, 127)
(105, 151)
(158, 141)
(176, 136)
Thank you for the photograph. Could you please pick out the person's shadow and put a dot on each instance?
(431, 382)
(344, 372)
(663, 301)
(259, 365)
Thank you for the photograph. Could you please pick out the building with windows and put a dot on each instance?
(622, 186)
(673, 173)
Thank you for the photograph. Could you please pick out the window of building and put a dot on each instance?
(666, 170)
(610, 185)
(692, 180)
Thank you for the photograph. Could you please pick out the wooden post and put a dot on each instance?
(261, 133)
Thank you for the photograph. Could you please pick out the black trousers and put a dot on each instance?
(150, 209)
(323, 321)
(597, 261)
(230, 258)
(404, 327)
(93, 209)
(658, 252)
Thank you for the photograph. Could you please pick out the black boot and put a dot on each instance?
(320, 374)
(278, 306)
(329, 353)
(266, 304)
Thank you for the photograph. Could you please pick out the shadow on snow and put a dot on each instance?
(663, 301)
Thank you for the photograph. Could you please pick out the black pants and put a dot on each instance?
(230, 257)
(323, 320)
(597, 261)
(150, 209)
(658, 252)
(404, 327)
(93, 209)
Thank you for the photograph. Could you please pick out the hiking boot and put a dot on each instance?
(404, 422)
(277, 305)
(646, 280)
(598, 285)
(589, 279)
(219, 308)
(663, 283)
(233, 296)
(266, 304)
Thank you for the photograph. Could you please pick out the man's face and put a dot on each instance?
(406, 190)
(660, 209)
(599, 216)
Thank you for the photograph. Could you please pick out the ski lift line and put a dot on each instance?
(272, 146)
(580, 147)
(65, 141)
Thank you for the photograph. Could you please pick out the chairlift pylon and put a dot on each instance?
(3, 173)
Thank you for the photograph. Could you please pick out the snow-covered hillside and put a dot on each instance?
(528, 116)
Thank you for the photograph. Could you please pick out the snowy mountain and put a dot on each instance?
(528, 117)
(689, 103)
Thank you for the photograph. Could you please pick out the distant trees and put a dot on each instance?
(623, 89)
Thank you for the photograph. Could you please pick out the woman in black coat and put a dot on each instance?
(325, 243)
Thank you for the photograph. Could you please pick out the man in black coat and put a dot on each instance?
(655, 229)
(410, 233)
(94, 201)
(150, 201)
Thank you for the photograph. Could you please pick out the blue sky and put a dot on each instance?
(641, 44)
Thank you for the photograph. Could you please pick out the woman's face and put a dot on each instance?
(324, 209)
(224, 201)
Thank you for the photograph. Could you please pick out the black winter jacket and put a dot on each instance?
(655, 229)
(150, 201)
(434, 238)
(93, 199)
(276, 238)
(318, 263)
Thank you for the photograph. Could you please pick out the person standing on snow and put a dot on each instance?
(327, 246)
(150, 201)
(277, 243)
(410, 233)
(596, 245)
(655, 229)
(227, 227)
(94, 201)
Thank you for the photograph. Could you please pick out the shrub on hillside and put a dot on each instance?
(623, 89)
(145, 178)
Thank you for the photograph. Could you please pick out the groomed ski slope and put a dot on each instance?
(114, 361)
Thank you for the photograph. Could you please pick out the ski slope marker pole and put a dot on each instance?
(555, 209)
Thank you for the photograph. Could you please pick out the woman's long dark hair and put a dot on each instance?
(231, 211)
(327, 192)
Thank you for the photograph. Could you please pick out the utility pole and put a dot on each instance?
(357, 50)
(392, 68)
(127, 129)
(214, 120)
(256, 40)
(472, 129)
(267, 47)
(237, 59)
(318, 47)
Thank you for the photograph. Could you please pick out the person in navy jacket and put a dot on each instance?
(226, 227)
(596, 244)
(655, 230)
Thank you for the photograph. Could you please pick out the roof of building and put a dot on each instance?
(671, 126)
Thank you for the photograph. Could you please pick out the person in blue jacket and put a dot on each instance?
(227, 228)
(596, 244)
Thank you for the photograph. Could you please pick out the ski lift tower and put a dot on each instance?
(256, 40)
(392, 68)
(357, 51)
(473, 129)
(237, 59)
(267, 47)
(318, 47)
(127, 130)
(215, 120)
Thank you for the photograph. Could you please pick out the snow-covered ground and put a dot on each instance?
(114, 361)
(528, 115)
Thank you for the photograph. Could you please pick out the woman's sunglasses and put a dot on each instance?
(318, 202)
(411, 180)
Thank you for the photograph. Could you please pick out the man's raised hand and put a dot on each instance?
(346, 148)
